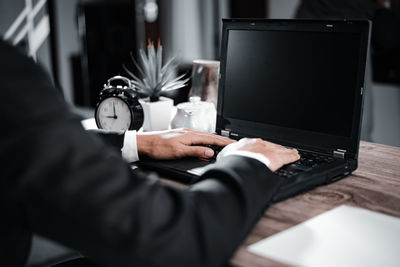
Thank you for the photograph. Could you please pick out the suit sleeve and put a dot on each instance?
(70, 186)
(113, 138)
(80, 193)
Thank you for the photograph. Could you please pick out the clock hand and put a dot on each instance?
(115, 115)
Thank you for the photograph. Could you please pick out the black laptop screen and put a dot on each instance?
(300, 80)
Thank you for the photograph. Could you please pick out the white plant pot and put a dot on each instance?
(157, 115)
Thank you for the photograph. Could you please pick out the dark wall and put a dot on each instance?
(249, 9)
(107, 38)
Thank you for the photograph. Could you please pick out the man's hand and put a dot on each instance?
(277, 154)
(179, 143)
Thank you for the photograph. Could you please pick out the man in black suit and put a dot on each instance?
(66, 184)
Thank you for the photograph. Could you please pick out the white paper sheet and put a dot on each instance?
(343, 236)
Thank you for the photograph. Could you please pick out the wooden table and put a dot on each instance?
(375, 185)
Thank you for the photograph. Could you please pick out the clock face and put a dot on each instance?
(113, 114)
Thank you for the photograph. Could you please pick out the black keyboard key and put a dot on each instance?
(286, 173)
(300, 167)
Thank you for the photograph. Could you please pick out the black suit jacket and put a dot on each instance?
(62, 182)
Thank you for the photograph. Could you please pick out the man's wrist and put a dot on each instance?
(145, 144)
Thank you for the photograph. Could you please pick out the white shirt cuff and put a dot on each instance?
(258, 156)
(129, 150)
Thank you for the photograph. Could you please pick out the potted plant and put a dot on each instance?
(155, 78)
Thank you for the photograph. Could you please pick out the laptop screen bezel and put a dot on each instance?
(288, 136)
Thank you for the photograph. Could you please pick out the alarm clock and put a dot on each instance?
(118, 107)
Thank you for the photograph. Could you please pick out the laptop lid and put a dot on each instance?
(296, 82)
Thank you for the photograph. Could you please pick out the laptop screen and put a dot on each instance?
(293, 79)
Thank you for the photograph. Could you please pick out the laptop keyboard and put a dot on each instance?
(307, 162)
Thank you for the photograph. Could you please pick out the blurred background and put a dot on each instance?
(82, 43)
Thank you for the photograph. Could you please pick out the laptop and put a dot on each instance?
(298, 83)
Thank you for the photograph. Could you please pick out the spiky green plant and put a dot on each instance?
(154, 77)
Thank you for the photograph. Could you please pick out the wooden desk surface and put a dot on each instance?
(375, 185)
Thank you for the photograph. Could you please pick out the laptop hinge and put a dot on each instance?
(339, 153)
(225, 133)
